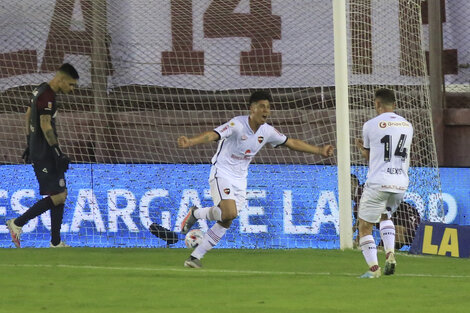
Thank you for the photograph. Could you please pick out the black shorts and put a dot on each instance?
(51, 181)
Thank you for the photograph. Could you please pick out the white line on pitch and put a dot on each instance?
(216, 271)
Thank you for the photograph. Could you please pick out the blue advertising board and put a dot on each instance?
(113, 205)
(442, 239)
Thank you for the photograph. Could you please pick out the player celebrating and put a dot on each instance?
(43, 151)
(239, 141)
(386, 145)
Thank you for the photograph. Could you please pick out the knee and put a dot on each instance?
(229, 210)
(59, 198)
(365, 228)
(229, 215)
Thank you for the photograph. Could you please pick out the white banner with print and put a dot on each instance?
(204, 44)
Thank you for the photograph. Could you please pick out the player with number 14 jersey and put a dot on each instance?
(388, 137)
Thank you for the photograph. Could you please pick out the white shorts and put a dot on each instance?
(374, 203)
(223, 188)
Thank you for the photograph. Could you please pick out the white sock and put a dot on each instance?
(369, 250)
(212, 213)
(387, 232)
(211, 238)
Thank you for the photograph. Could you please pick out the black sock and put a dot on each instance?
(57, 214)
(37, 209)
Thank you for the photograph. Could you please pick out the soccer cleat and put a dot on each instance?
(61, 244)
(390, 264)
(193, 262)
(189, 220)
(15, 232)
(370, 274)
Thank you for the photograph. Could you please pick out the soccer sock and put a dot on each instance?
(37, 209)
(387, 231)
(211, 238)
(212, 213)
(57, 214)
(369, 250)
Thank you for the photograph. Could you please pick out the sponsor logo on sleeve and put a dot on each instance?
(227, 191)
(260, 139)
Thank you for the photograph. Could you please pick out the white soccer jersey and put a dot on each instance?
(388, 136)
(238, 145)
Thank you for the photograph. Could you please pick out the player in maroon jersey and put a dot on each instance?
(49, 162)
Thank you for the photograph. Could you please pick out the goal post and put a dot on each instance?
(153, 71)
(342, 123)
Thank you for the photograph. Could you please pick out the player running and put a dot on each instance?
(239, 141)
(386, 145)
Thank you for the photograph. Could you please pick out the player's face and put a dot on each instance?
(260, 111)
(67, 84)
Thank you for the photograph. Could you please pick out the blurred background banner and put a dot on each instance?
(116, 210)
(145, 39)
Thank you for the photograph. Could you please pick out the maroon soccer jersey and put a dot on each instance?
(42, 102)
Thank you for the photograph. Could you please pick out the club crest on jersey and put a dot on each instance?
(49, 105)
(227, 191)
(260, 139)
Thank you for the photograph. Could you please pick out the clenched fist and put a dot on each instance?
(184, 142)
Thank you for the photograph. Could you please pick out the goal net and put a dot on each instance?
(153, 71)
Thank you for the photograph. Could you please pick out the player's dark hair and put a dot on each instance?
(260, 95)
(386, 96)
(69, 70)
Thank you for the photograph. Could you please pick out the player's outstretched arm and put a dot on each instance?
(208, 136)
(302, 146)
(364, 151)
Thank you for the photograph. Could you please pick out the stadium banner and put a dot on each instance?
(143, 47)
(442, 239)
(113, 205)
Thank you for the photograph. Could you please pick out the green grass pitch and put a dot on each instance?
(249, 281)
